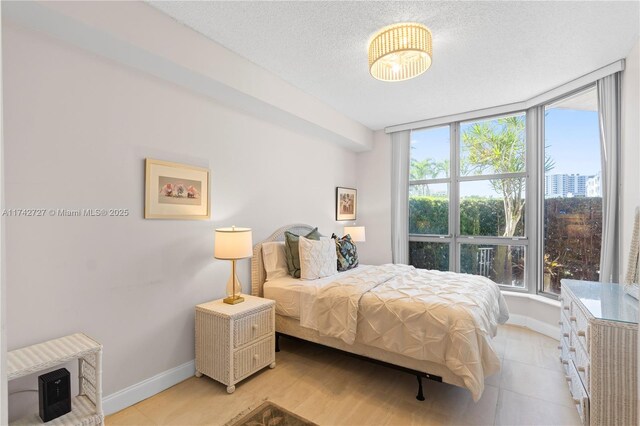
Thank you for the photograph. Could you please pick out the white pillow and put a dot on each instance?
(317, 258)
(275, 260)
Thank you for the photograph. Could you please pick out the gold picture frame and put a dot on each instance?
(176, 191)
(346, 203)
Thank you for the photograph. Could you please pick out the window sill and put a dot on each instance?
(535, 312)
(535, 297)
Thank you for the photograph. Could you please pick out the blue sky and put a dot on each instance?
(572, 141)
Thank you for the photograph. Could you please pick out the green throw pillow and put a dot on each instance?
(292, 252)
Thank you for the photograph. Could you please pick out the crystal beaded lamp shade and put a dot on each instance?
(400, 52)
(357, 233)
(233, 243)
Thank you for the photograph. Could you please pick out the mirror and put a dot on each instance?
(632, 276)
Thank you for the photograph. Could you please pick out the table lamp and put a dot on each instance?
(357, 233)
(233, 244)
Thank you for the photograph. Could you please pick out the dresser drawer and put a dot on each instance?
(573, 316)
(580, 324)
(253, 327)
(565, 358)
(565, 327)
(578, 393)
(581, 361)
(252, 358)
(565, 305)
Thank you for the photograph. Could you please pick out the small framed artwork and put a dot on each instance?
(175, 191)
(346, 203)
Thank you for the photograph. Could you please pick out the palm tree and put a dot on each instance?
(427, 169)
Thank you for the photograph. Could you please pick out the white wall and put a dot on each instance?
(3, 346)
(374, 200)
(77, 130)
(136, 34)
(630, 150)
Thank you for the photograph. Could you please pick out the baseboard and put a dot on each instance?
(135, 393)
(538, 326)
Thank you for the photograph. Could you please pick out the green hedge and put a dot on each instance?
(574, 229)
(478, 216)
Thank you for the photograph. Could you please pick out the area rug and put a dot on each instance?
(269, 414)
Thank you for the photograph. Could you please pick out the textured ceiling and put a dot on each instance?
(485, 53)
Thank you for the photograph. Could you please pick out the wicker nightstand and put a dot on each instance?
(235, 341)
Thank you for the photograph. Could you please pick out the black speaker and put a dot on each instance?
(54, 389)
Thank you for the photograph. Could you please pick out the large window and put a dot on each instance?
(467, 187)
(468, 196)
(572, 190)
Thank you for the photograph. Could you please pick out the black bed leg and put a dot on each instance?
(420, 396)
(277, 342)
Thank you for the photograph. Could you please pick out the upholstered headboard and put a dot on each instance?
(258, 274)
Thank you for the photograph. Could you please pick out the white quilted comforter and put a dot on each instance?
(442, 317)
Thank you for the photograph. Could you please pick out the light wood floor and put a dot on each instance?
(334, 389)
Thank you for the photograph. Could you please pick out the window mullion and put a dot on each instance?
(535, 199)
(428, 181)
(493, 176)
(454, 199)
(502, 241)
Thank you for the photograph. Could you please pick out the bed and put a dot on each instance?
(436, 325)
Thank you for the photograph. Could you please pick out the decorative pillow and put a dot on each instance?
(346, 252)
(317, 258)
(291, 250)
(275, 260)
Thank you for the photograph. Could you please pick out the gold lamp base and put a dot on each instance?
(234, 295)
(233, 300)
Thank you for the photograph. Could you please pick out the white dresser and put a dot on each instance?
(599, 351)
(235, 341)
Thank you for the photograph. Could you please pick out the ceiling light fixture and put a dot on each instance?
(400, 52)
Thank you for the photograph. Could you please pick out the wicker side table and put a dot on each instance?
(86, 407)
(234, 341)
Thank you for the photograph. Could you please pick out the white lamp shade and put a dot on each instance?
(357, 233)
(233, 243)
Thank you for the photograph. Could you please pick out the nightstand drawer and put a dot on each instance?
(253, 327)
(249, 360)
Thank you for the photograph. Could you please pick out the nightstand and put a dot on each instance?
(235, 341)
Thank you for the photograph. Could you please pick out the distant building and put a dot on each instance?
(594, 186)
(570, 186)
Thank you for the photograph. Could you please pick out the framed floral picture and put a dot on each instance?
(346, 203)
(175, 191)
